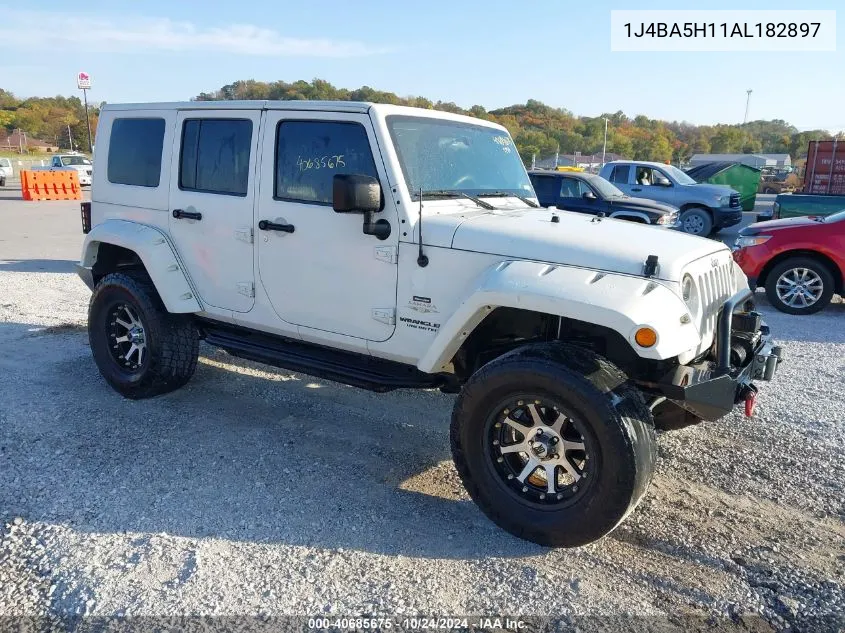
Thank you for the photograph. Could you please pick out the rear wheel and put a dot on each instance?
(553, 444)
(799, 285)
(140, 348)
(697, 221)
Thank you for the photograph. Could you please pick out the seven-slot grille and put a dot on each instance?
(715, 286)
(734, 201)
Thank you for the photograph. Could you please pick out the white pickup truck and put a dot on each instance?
(77, 162)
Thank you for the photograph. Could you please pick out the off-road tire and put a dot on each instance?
(172, 340)
(700, 218)
(800, 262)
(615, 414)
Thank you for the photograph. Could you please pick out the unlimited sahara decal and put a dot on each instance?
(420, 325)
(422, 304)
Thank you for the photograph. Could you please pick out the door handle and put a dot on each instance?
(636, 188)
(266, 225)
(188, 215)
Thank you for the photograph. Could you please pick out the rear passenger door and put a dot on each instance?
(212, 193)
(620, 176)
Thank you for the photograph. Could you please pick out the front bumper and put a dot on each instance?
(728, 216)
(744, 352)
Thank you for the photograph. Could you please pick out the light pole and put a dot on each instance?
(747, 102)
(604, 147)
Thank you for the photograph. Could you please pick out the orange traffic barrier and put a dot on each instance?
(50, 185)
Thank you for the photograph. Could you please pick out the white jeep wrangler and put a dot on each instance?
(388, 247)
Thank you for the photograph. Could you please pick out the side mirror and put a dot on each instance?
(355, 193)
(662, 182)
(589, 195)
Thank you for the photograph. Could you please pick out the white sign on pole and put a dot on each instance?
(83, 81)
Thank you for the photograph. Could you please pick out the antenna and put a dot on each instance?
(422, 259)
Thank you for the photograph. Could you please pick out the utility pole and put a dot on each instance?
(69, 137)
(747, 103)
(83, 82)
(604, 147)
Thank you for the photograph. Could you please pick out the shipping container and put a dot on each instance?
(825, 171)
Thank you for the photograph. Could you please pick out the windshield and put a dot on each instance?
(439, 155)
(75, 160)
(835, 217)
(678, 175)
(605, 188)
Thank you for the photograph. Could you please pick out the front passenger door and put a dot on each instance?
(572, 198)
(322, 272)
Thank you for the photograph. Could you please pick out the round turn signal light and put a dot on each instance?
(645, 337)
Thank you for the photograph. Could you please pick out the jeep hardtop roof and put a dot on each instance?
(361, 107)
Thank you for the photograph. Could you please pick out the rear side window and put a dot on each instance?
(310, 153)
(620, 174)
(215, 156)
(135, 152)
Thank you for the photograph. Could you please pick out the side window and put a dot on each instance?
(620, 174)
(135, 152)
(310, 153)
(215, 156)
(648, 176)
(570, 188)
(545, 187)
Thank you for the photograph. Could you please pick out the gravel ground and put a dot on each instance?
(260, 492)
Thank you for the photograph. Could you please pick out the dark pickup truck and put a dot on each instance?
(588, 193)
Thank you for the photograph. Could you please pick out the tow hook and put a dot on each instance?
(750, 397)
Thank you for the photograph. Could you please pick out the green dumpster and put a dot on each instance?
(742, 178)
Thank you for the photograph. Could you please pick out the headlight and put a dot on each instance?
(751, 240)
(669, 218)
(724, 200)
(689, 293)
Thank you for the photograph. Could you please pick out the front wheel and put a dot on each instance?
(140, 348)
(553, 444)
(799, 285)
(696, 221)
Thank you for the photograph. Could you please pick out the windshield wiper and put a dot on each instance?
(448, 193)
(505, 194)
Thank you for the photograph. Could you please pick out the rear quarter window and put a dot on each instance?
(135, 149)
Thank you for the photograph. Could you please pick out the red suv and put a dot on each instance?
(799, 261)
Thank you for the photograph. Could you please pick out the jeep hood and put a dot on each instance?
(576, 239)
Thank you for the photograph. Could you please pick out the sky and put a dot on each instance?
(493, 53)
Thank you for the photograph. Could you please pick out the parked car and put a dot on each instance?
(799, 261)
(77, 162)
(588, 193)
(704, 208)
(5, 171)
(388, 247)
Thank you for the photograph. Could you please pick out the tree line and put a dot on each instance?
(537, 129)
(47, 119)
(542, 130)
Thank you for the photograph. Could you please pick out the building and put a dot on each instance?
(759, 161)
(590, 162)
(18, 141)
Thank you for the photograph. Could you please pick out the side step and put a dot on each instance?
(357, 370)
